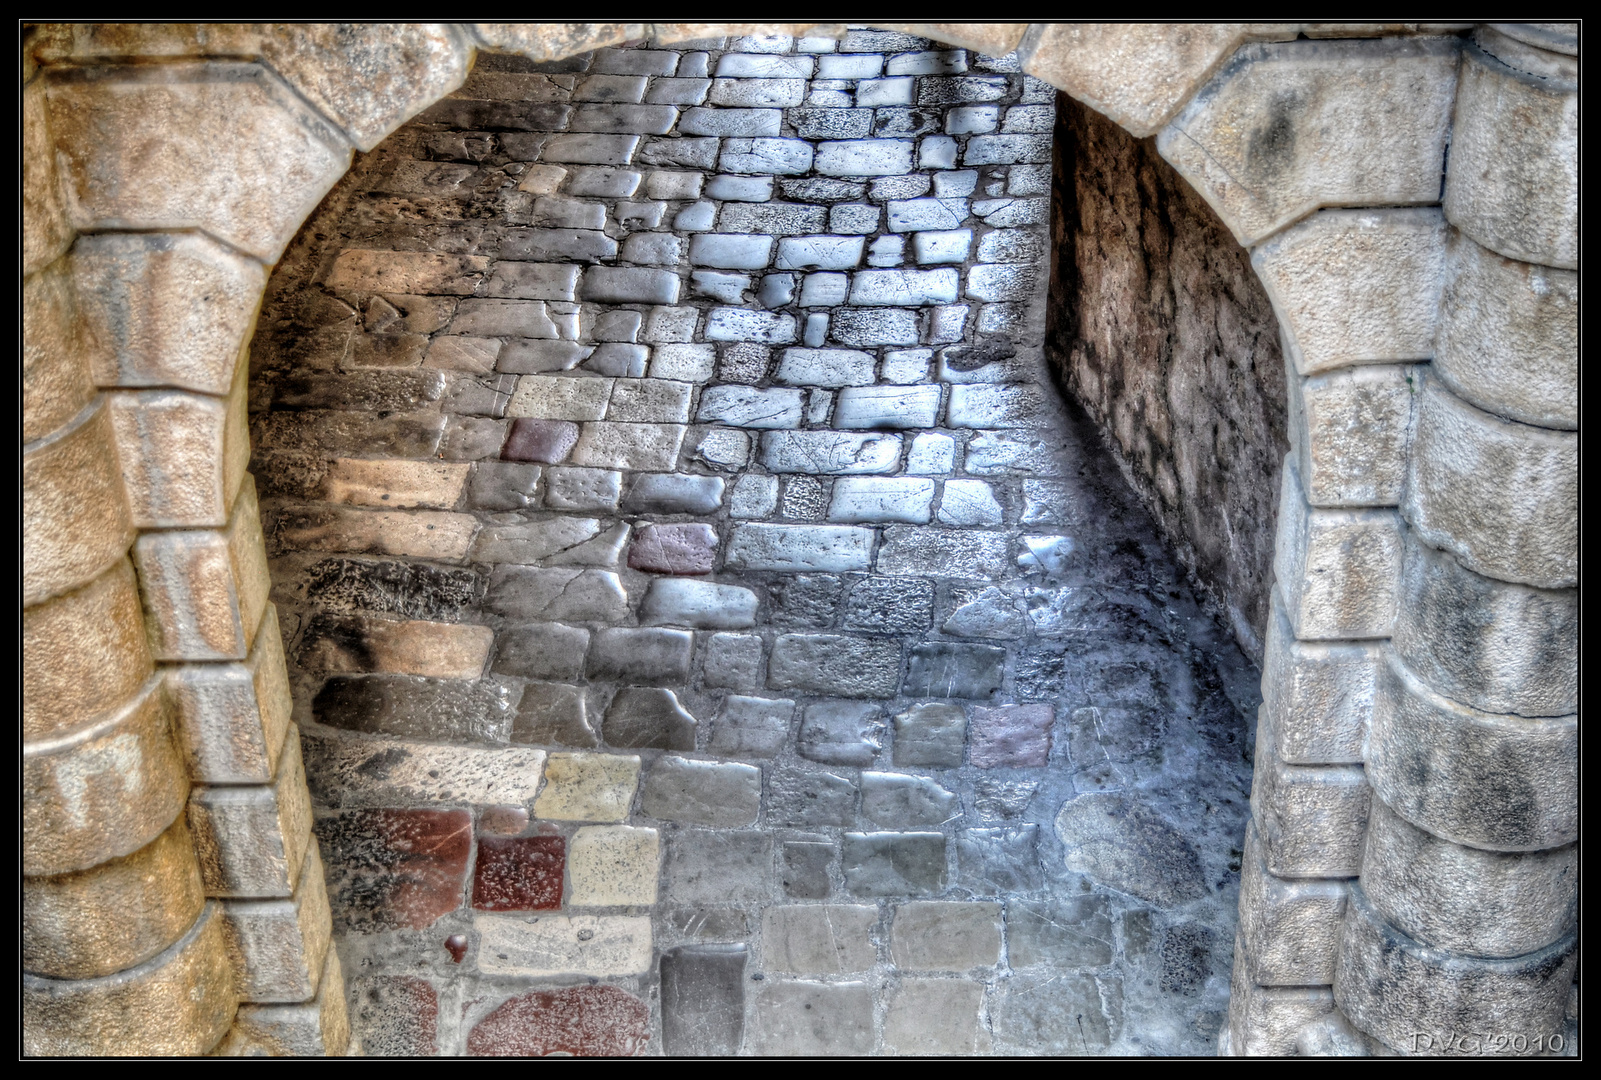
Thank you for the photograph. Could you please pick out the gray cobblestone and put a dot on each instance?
(752, 727)
(733, 324)
(853, 218)
(652, 249)
(835, 665)
(775, 219)
(726, 795)
(766, 156)
(864, 157)
(698, 153)
(744, 362)
(640, 656)
(570, 595)
(799, 547)
(673, 493)
(905, 367)
(945, 669)
(683, 363)
(969, 502)
(825, 367)
(740, 188)
(833, 123)
(758, 93)
(844, 66)
(888, 407)
(841, 733)
(758, 66)
(819, 252)
(943, 247)
(755, 496)
(618, 359)
(884, 92)
(866, 326)
(627, 285)
(932, 455)
(569, 488)
(733, 661)
(942, 553)
(748, 406)
(720, 448)
(727, 288)
(697, 217)
(899, 801)
(503, 485)
(647, 718)
(552, 714)
(809, 799)
(893, 864)
(931, 735)
(990, 613)
(544, 651)
(824, 290)
(699, 604)
(889, 605)
(558, 244)
(904, 287)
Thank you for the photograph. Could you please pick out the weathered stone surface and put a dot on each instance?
(933, 1017)
(1261, 177)
(346, 771)
(524, 592)
(1130, 848)
(702, 792)
(931, 734)
(835, 664)
(450, 710)
(1338, 570)
(1318, 695)
(999, 861)
(1393, 987)
(279, 948)
(396, 1015)
(1502, 497)
(803, 870)
(316, 1028)
(338, 643)
(1310, 819)
(718, 867)
(652, 447)
(673, 493)
(518, 873)
(946, 669)
(1508, 336)
(689, 549)
(575, 1021)
(640, 717)
(563, 945)
(893, 864)
(588, 787)
(810, 798)
(1513, 181)
(808, 1019)
(1057, 1014)
(942, 553)
(1289, 929)
(703, 999)
(840, 733)
(799, 547)
(945, 936)
(75, 519)
(829, 452)
(1504, 783)
(190, 985)
(821, 939)
(699, 604)
(640, 655)
(889, 605)
(1465, 900)
(898, 801)
(396, 868)
(989, 614)
(1350, 429)
(1267, 1021)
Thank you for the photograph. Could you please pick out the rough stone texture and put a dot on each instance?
(579, 1021)
(1146, 269)
(1128, 847)
(703, 999)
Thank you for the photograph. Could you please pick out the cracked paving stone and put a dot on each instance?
(803, 869)
(648, 718)
(944, 669)
(687, 549)
(893, 863)
(899, 801)
(805, 799)
(1070, 933)
(988, 614)
(841, 733)
(751, 727)
(931, 734)
(999, 862)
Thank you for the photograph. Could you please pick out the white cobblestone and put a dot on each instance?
(832, 548)
(825, 367)
(747, 406)
(871, 499)
(889, 406)
(904, 287)
(829, 452)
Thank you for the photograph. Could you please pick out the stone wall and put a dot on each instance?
(1162, 330)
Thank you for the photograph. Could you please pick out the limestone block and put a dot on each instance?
(222, 146)
(114, 915)
(1462, 899)
(1289, 929)
(588, 787)
(81, 650)
(1513, 181)
(1508, 339)
(553, 41)
(55, 380)
(74, 514)
(1338, 570)
(316, 1028)
(205, 591)
(1310, 819)
(102, 791)
(1488, 644)
(427, 534)
(1138, 75)
(183, 455)
(45, 229)
(231, 718)
(369, 78)
(389, 772)
(166, 309)
(1414, 998)
(1349, 429)
(252, 840)
(1265, 1020)
(180, 1003)
(1356, 286)
(563, 945)
(1502, 497)
(1317, 695)
(1352, 123)
(278, 948)
(612, 865)
(1499, 782)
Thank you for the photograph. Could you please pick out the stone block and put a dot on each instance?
(1389, 155)
(765, 156)
(554, 245)
(561, 594)
(1501, 496)
(988, 406)
(836, 665)
(383, 772)
(1488, 644)
(1129, 846)
(737, 123)
(751, 726)
(899, 801)
(838, 732)
(811, 1019)
(930, 735)
(1513, 181)
(553, 398)
(904, 288)
(356, 643)
(937, 1017)
(104, 790)
(653, 718)
(1010, 736)
(819, 939)
(1309, 819)
(134, 121)
(1378, 269)
(112, 916)
(75, 520)
(969, 502)
(582, 489)
(448, 710)
(1318, 695)
(989, 613)
(405, 434)
(931, 454)
(576, 1021)
(613, 865)
(723, 449)
(503, 485)
(652, 447)
(1350, 430)
(865, 327)
(718, 867)
(946, 669)
(699, 604)
(251, 841)
(871, 499)
(1395, 988)
(1338, 570)
(231, 718)
(799, 547)
(942, 553)
(887, 407)
(396, 1015)
(825, 367)
(736, 324)
(702, 792)
(673, 493)
(810, 799)
(360, 482)
(829, 452)
(803, 871)
(81, 650)
(518, 873)
(1508, 336)
(279, 948)
(894, 864)
(361, 270)
(428, 534)
(588, 787)
(57, 382)
(687, 363)
(1266, 1021)
(1071, 933)
(46, 231)
(1465, 900)
(674, 549)
(316, 1028)
(889, 605)
(751, 407)
(1289, 929)
(553, 945)
(703, 999)
(1503, 783)
(687, 153)
(1001, 861)
(189, 985)
(138, 294)
(629, 285)
(999, 453)
(555, 714)
(945, 936)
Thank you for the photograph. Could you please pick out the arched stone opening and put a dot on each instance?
(189, 517)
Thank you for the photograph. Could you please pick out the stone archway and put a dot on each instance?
(1429, 506)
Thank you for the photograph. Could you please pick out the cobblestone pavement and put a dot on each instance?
(710, 630)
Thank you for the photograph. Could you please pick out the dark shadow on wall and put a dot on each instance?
(1158, 325)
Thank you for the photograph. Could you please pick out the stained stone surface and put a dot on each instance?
(848, 700)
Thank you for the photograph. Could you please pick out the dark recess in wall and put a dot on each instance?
(1158, 325)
